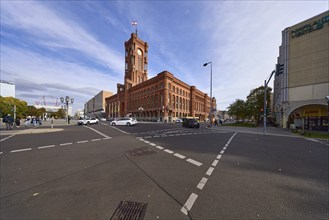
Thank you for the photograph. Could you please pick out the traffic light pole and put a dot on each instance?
(265, 87)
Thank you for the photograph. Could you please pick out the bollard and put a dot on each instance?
(52, 122)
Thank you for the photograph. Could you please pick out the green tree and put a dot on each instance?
(255, 102)
(238, 109)
(7, 106)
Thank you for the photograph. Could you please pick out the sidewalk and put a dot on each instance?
(257, 130)
(44, 128)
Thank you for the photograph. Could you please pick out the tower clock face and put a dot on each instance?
(139, 51)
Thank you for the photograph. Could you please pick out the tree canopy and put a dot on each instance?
(253, 107)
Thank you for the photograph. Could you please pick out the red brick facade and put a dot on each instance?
(161, 98)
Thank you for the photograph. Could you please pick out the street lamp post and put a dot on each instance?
(66, 102)
(140, 109)
(210, 119)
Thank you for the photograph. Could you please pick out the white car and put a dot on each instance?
(124, 121)
(88, 121)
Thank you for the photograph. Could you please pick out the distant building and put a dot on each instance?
(301, 81)
(161, 98)
(96, 105)
(7, 89)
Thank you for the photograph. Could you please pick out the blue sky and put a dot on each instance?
(76, 48)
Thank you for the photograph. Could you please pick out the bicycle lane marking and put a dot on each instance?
(193, 197)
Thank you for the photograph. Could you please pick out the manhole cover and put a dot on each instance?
(141, 151)
(129, 211)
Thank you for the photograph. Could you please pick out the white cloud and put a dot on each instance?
(49, 28)
(43, 76)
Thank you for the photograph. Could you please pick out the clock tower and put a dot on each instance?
(135, 61)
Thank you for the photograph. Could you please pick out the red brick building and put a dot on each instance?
(161, 98)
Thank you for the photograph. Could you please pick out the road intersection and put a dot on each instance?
(84, 172)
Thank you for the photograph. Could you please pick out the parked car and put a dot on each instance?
(88, 121)
(179, 120)
(191, 123)
(124, 121)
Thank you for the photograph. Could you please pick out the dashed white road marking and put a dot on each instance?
(194, 162)
(202, 183)
(219, 156)
(209, 171)
(222, 152)
(168, 151)
(214, 163)
(189, 203)
(20, 150)
(159, 147)
(106, 138)
(97, 139)
(49, 146)
(0, 153)
(81, 142)
(179, 156)
(64, 144)
(152, 144)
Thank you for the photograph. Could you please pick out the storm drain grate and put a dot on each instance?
(129, 211)
(141, 151)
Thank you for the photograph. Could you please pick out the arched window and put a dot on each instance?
(173, 101)
(169, 85)
(180, 103)
(156, 100)
(169, 99)
(173, 89)
(161, 100)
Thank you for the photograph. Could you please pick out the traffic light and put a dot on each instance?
(279, 69)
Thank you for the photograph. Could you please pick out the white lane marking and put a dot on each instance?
(179, 156)
(194, 162)
(119, 129)
(140, 138)
(81, 142)
(219, 156)
(97, 139)
(214, 163)
(98, 132)
(202, 183)
(171, 135)
(209, 171)
(64, 144)
(147, 142)
(224, 148)
(48, 146)
(152, 144)
(106, 138)
(0, 153)
(189, 203)
(159, 147)
(168, 151)
(222, 152)
(20, 150)
(3, 139)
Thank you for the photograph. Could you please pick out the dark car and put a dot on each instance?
(191, 123)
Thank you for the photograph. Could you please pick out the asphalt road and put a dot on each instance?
(83, 172)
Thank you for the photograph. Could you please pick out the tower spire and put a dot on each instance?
(134, 23)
